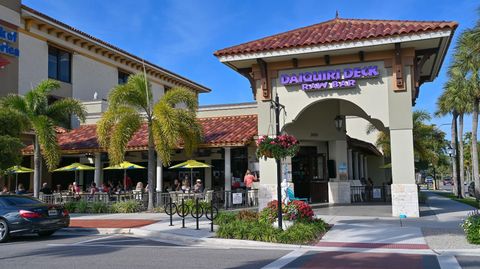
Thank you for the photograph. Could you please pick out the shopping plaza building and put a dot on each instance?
(334, 79)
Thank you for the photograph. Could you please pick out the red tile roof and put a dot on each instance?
(337, 30)
(217, 132)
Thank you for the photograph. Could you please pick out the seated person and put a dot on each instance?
(185, 186)
(45, 189)
(20, 190)
(4, 190)
(198, 187)
(139, 186)
(93, 190)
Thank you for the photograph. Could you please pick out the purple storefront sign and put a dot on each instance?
(329, 79)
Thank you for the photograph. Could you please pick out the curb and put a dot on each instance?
(98, 230)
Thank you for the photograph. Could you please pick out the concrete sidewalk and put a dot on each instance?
(438, 229)
(441, 228)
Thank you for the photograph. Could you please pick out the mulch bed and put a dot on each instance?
(110, 223)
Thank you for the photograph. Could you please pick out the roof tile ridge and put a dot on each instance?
(279, 34)
(230, 116)
(400, 21)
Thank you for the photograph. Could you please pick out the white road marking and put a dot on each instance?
(290, 257)
(95, 239)
(448, 262)
(124, 246)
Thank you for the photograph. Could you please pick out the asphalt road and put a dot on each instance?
(70, 251)
(65, 250)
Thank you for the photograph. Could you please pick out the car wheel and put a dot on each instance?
(4, 233)
(46, 233)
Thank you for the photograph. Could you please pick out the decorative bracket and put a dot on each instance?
(264, 82)
(398, 67)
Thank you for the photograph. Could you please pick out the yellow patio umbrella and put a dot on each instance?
(124, 166)
(74, 167)
(17, 169)
(190, 164)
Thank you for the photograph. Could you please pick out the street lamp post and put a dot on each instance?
(278, 107)
(454, 153)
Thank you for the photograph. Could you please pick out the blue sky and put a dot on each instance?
(181, 35)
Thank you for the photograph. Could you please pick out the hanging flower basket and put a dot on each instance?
(278, 147)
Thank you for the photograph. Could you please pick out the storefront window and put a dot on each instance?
(59, 64)
(239, 162)
(122, 77)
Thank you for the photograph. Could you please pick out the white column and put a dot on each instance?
(404, 189)
(350, 165)
(207, 181)
(360, 165)
(355, 163)
(97, 177)
(228, 168)
(365, 166)
(159, 174)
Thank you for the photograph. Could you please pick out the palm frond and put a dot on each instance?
(104, 127)
(132, 93)
(179, 95)
(173, 125)
(127, 122)
(15, 102)
(45, 131)
(37, 99)
(63, 109)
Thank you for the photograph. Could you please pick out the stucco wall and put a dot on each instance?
(33, 62)
(369, 94)
(90, 76)
(377, 174)
(227, 110)
(157, 91)
(357, 128)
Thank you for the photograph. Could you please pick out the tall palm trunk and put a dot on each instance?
(454, 167)
(460, 149)
(474, 148)
(36, 168)
(151, 167)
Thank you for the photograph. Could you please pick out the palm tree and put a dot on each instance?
(422, 137)
(467, 59)
(166, 125)
(455, 100)
(42, 118)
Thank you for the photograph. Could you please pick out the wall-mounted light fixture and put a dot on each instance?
(339, 120)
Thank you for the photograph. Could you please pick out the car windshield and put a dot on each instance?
(12, 201)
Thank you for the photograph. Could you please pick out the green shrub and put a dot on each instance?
(70, 206)
(81, 207)
(247, 215)
(303, 232)
(130, 206)
(248, 230)
(224, 218)
(471, 226)
(160, 209)
(99, 207)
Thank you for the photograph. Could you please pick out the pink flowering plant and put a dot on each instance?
(294, 211)
(298, 211)
(277, 147)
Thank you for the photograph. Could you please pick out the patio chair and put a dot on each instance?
(208, 196)
(291, 196)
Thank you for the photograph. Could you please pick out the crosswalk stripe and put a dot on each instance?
(290, 257)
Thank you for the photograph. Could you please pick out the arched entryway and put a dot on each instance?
(333, 162)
